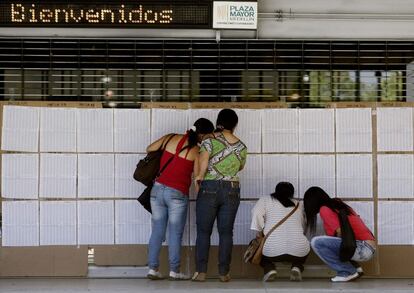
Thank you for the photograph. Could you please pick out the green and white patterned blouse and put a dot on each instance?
(225, 159)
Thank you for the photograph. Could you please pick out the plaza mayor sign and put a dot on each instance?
(127, 13)
(234, 15)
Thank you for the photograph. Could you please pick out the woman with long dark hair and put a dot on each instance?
(328, 247)
(287, 243)
(221, 158)
(169, 195)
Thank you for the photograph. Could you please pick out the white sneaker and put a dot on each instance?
(360, 270)
(154, 275)
(270, 276)
(178, 276)
(295, 274)
(345, 278)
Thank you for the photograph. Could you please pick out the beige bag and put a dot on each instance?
(254, 251)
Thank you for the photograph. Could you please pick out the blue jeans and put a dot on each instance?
(216, 199)
(327, 248)
(169, 206)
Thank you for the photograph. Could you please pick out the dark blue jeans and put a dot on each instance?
(216, 199)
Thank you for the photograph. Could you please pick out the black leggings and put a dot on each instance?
(267, 263)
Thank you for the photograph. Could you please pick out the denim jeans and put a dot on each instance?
(327, 248)
(216, 199)
(169, 206)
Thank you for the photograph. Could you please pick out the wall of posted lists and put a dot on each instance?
(66, 168)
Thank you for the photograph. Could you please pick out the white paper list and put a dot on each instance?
(131, 130)
(20, 131)
(125, 185)
(58, 223)
(57, 129)
(95, 222)
(317, 170)
(395, 176)
(251, 177)
(354, 176)
(316, 130)
(95, 131)
(280, 130)
(166, 121)
(249, 129)
(353, 130)
(210, 114)
(280, 168)
(96, 175)
(20, 175)
(20, 223)
(365, 210)
(58, 175)
(132, 223)
(395, 129)
(242, 233)
(395, 223)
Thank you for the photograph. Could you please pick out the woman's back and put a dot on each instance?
(289, 237)
(227, 156)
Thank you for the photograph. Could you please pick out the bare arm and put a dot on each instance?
(203, 164)
(196, 171)
(157, 144)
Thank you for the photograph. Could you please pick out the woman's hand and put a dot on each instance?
(197, 183)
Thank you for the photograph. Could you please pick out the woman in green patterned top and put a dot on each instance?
(221, 159)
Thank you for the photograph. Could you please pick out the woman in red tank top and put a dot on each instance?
(333, 211)
(169, 195)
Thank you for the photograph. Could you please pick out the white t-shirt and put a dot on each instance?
(289, 237)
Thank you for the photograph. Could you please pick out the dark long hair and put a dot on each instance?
(315, 198)
(201, 126)
(284, 194)
(226, 119)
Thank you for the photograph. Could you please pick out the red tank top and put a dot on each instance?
(177, 175)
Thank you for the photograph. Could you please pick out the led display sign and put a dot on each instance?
(127, 13)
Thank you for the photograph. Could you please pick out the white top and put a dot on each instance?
(289, 237)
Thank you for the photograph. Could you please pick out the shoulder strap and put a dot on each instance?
(165, 142)
(180, 144)
(170, 160)
(282, 221)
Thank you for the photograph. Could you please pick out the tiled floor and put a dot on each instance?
(239, 286)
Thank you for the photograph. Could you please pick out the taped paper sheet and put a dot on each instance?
(251, 177)
(131, 130)
(95, 176)
(58, 223)
(395, 176)
(395, 223)
(125, 185)
(365, 210)
(249, 129)
(57, 130)
(132, 223)
(58, 175)
(20, 131)
(278, 168)
(354, 176)
(353, 130)
(280, 130)
(20, 176)
(395, 129)
(316, 130)
(242, 233)
(20, 223)
(95, 222)
(210, 114)
(317, 170)
(165, 121)
(95, 131)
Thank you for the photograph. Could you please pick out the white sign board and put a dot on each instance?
(234, 15)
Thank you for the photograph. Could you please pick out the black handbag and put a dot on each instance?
(348, 244)
(148, 168)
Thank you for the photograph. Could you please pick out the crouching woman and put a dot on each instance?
(328, 247)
